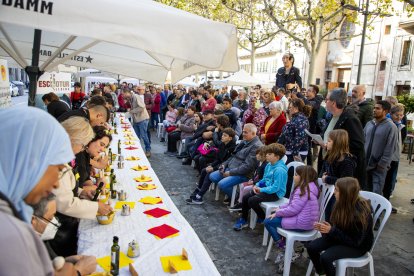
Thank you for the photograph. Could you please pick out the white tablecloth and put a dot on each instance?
(95, 239)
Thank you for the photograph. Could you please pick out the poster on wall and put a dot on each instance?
(58, 83)
(5, 98)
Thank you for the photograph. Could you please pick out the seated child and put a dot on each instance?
(301, 212)
(270, 188)
(225, 148)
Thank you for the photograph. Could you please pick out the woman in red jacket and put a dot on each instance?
(155, 109)
(272, 127)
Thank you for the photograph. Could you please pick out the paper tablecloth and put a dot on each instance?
(95, 239)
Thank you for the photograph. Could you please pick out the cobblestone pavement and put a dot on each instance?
(241, 253)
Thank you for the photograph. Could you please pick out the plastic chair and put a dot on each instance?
(292, 236)
(180, 145)
(270, 206)
(379, 205)
(159, 129)
(233, 194)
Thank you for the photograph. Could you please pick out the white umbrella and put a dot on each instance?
(143, 39)
(93, 72)
(241, 78)
(188, 82)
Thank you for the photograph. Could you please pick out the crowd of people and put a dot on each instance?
(48, 162)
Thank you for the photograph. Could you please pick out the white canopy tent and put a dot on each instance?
(240, 78)
(114, 36)
(95, 73)
(187, 82)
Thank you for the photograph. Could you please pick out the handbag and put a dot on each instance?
(205, 149)
(170, 129)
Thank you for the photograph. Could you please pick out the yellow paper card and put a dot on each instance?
(129, 143)
(150, 200)
(149, 187)
(178, 262)
(140, 168)
(132, 158)
(119, 204)
(105, 262)
(171, 236)
(143, 179)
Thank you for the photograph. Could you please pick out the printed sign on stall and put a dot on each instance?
(54, 82)
(5, 97)
(58, 83)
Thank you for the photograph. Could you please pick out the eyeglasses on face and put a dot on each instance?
(46, 221)
(63, 172)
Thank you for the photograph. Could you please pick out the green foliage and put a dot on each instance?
(407, 101)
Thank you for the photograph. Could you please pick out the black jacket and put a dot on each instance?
(354, 237)
(224, 152)
(338, 169)
(202, 128)
(82, 112)
(57, 108)
(350, 122)
(293, 77)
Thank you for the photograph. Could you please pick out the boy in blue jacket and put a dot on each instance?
(270, 188)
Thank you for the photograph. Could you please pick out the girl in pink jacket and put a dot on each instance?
(302, 211)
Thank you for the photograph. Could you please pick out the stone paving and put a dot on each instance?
(241, 253)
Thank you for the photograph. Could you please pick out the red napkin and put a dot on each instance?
(163, 231)
(131, 148)
(126, 127)
(157, 212)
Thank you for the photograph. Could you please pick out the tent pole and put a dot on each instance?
(33, 71)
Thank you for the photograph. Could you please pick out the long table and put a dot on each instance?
(96, 239)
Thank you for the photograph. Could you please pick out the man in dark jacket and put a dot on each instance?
(241, 165)
(364, 106)
(345, 118)
(314, 100)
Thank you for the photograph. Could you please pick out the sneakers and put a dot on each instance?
(148, 154)
(162, 140)
(194, 201)
(280, 258)
(281, 243)
(235, 208)
(280, 261)
(240, 224)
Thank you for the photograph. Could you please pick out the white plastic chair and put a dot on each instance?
(292, 236)
(379, 205)
(270, 206)
(159, 129)
(180, 145)
(233, 194)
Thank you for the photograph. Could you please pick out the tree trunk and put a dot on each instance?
(252, 59)
(311, 69)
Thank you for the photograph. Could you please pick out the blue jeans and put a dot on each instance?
(226, 183)
(154, 120)
(272, 225)
(141, 131)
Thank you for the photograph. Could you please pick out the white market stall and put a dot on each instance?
(240, 78)
(114, 36)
